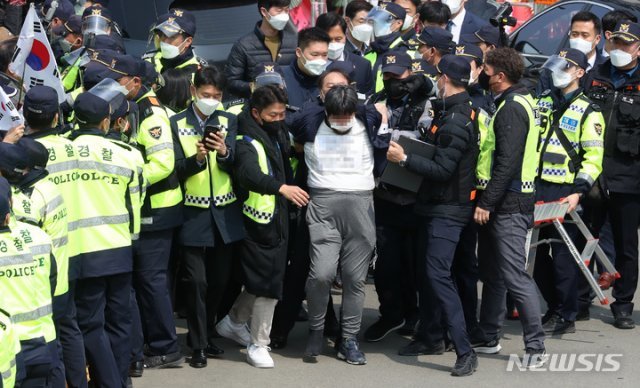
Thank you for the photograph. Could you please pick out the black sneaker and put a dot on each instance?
(136, 368)
(487, 347)
(534, 358)
(583, 315)
(557, 325)
(314, 346)
(409, 328)
(171, 360)
(465, 364)
(419, 348)
(350, 352)
(381, 329)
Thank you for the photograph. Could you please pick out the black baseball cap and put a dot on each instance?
(126, 65)
(436, 37)
(627, 31)
(346, 67)
(37, 154)
(13, 158)
(97, 10)
(90, 109)
(575, 57)
(486, 34)
(176, 21)
(469, 51)
(454, 67)
(396, 62)
(394, 9)
(72, 26)
(41, 99)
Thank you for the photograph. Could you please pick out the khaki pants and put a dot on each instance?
(259, 310)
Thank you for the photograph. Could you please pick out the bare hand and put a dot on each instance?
(295, 194)
(481, 216)
(382, 109)
(14, 134)
(201, 153)
(572, 200)
(395, 154)
(215, 142)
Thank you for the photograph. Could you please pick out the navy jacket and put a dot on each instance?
(363, 76)
(300, 86)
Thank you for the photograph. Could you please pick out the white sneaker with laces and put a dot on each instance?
(259, 356)
(238, 332)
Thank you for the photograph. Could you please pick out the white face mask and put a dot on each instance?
(207, 106)
(315, 66)
(278, 21)
(335, 50)
(472, 79)
(362, 33)
(582, 45)
(408, 22)
(170, 51)
(343, 127)
(620, 58)
(440, 90)
(454, 5)
(561, 79)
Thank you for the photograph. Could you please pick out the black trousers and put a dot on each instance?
(206, 274)
(624, 213)
(151, 308)
(465, 273)
(395, 272)
(70, 338)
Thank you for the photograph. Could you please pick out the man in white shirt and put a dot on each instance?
(462, 22)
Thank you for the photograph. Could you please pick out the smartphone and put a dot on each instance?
(208, 130)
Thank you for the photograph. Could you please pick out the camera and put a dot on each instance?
(502, 17)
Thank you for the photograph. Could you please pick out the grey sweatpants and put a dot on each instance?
(342, 232)
(501, 256)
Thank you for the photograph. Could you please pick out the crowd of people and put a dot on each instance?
(167, 186)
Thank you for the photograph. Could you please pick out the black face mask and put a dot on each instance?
(273, 127)
(395, 88)
(484, 81)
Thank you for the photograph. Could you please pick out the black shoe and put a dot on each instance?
(314, 346)
(350, 352)
(548, 315)
(198, 359)
(136, 368)
(419, 348)
(409, 328)
(623, 321)
(381, 329)
(583, 315)
(278, 342)
(557, 325)
(534, 358)
(487, 347)
(213, 351)
(465, 364)
(171, 360)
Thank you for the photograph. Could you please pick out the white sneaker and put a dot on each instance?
(238, 332)
(259, 356)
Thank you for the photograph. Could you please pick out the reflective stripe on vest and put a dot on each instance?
(373, 58)
(259, 207)
(9, 345)
(487, 145)
(197, 187)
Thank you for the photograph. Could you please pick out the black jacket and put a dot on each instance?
(621, 110)
(250, 51)
(263, 253)
(363, 76)
(511, 127)
(301, 87)
(449, 184)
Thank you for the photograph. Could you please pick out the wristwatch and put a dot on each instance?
(403, 162)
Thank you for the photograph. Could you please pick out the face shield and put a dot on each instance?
(169, 28)
(96, 25)
(270, 79)
(78, 57)
(381, 21)
(110, 91)
(556, 63)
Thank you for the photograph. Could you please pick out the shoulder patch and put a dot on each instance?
(598, 128)
(155, 132)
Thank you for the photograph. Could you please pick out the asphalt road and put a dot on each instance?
(386, 369)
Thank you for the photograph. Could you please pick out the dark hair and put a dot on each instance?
(267, 4)
(612, 18)
(507, 61)
(434, 12)
(326, 73)
(328, 20)
(416, 3)
(311, 35)
(357, 6)
(7, 47)
(209, 75)
(341, 100)
(175, 93)
(586, 16)
(38, 120)
(267, 95)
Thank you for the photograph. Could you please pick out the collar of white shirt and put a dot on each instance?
(456, 25)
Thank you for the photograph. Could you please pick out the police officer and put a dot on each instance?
(404, 95)
(614, 87)
(8, 337)
(434, 43)
(27, 281)
(212, 212)
(487, 38)
(105, 222)
(41, 116)
(387, 20)
(505, 208)
(571, 161)
(97, 20)
(173, 37)
(268, 73)
(161, 213)
(445, 201)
